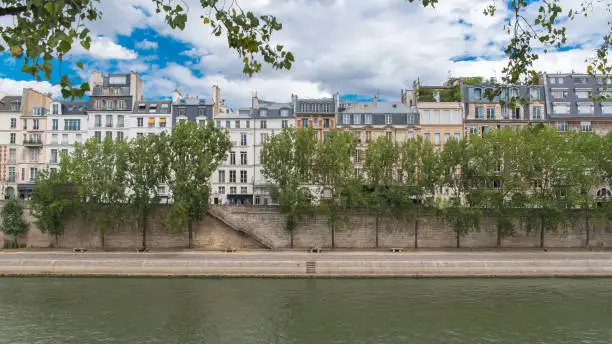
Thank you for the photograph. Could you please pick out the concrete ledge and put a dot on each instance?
(287, 264)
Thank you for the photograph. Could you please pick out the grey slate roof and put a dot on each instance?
(400, 114)
(272, 109)
(192, 110)
(307, 106)
(469, 93)
(128, 103)
(6, 101)
(74, 107)
(153, 106)
(571, 83)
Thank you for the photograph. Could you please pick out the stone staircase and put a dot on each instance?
(226, 217)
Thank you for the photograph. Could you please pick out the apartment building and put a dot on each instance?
(150, 117)
(440, 109)
(368, 121)
(10, 107)
(569, 98)
(319, 114)
(67, 125)
(240, 179)
(34, 113)
(111, 104)
(494, 106)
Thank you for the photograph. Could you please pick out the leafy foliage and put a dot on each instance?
(12, 219)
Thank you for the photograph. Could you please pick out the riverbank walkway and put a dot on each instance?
(303, 264)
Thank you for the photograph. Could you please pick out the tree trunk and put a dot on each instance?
(190, 230)
(143, 222)
(541, 233)
(56, 241)
(416, 232)
(377, 220)
(499, 237)
(102, 239)
(291, 235)
(588, 230)
(458, 239)
(333, 234)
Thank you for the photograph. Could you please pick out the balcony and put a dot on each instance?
(12, 161)
(32, 143)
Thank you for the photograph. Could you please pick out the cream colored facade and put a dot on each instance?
(440, 121)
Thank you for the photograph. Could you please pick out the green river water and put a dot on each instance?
(189, 311)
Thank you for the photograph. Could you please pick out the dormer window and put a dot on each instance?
(513, 93)
(477, 93)
(142, 106)
(284, 112)
(534, 93)
(55, 109)
(152, 106)
(263, 112)
(15, 106)
(183, 101)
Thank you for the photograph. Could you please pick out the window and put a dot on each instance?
(232, 158)
(12, 155)
(357, 156)
(22, 174)
(477, 93)
(34, 155)
(446, 137)
(15, 105)
(516, 113)
(346, 119)
(436, 138)
(479, 112)
(201, 111)
(109, 135)
(13, 123)
(263, 124)
(117, 80)
(53, 158)
(243, 139)
(304, 123)
(120, 121)
(151, 122)
(228, 124)
(109, 121)
(221, 176)
(357, 119)
(367, 119)
(368, 136)
(284, 123)
(485, 129)
(202, 122)
(181, 111)
(537, 112)
(580, 80)
(72, 124)
(582, 94)
(606, 107)
(25, 124)
(585, 127)
(33, 173)
(98, 104)
(54, 124)
(425, 119)
(13, 138)
(585, 108)
(237, 124)
(79, 138)
(243, 158)
(139, 122)
(54, 139)
(457, 136)
(222, 190)
(243, 176)
(435, 117)
(121, 104)
(98, 136)
(263, 137)
(561, 108)
(326, 123)
(65, 139)
(36, 125)
(559, 94)
(534, 93)
(232, 178)
(98, 121)
(244, 190)
(357, 172)
(232, 190)
(428, 137)
(388, 119)
(446, 117)
(109, 104)
(562, 126)
(11, 175)
(139, 135)
(490, 112)
(119, 136)
(263, 112)
(218, 124)
(514, 93)
(389, 136)
(284, 112)
(248, 124)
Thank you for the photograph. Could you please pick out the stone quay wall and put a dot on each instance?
(249, 227)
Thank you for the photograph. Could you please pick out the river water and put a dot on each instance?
(218, 311)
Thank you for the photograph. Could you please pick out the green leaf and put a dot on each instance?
(79, 64)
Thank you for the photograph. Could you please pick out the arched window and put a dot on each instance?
(604, 193)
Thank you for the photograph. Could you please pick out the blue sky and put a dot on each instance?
(354, 47)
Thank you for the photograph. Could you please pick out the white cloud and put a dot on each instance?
(146, 45)
(15, 88)
(104, 48)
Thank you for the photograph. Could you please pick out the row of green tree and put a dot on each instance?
(533, 177)
(114, 182)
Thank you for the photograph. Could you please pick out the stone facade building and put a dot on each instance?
(319, 114)
(67, 125)
(10, 108)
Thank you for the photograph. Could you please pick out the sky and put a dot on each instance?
(357, 48)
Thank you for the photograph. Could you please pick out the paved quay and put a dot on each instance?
(302, 264)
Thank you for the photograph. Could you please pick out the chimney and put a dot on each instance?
(216, 94)
(254, 101)
(95, 79)
(375, 100)
(176, 96)
(403, 96)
